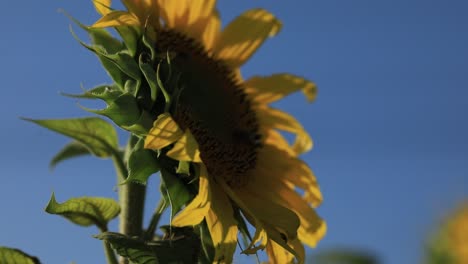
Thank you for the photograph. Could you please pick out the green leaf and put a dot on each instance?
(142, 163)
(96, 134)
(181, 246)
(175, 191)
(71, 150)
(16, 256)
(86, 211)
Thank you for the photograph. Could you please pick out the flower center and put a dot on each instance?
(212, 104)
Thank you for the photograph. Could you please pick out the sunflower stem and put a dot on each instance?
(110, 255)
(131, 198)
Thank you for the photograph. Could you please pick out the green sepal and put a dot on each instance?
(103, 41)
(123, 60)
(96, 134)
(86, 211)
(71, 150)
(142, 163)
(206, 243)
(175, 192)
(124, 110)
(142, 125)
(107, 93)
(132, 86)
(184, 167)
(150, 76)
(13, 255)
(130, 36)
(180, 246)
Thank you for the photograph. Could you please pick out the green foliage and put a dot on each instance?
(175, 191)
(179, 245)
(142, 163)
(16, 256)
(98, 136)
(86, 211)
(71, 150)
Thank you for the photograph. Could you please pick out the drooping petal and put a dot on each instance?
(165, 131)
(102, 6)
(312, 227)
(260, 237)
(288, 169)
(198, 208)
(185, 149)
(117, 18)
(274, 118)
(222, 225)
(270, 213)
(277, 254)
(269, 89)
(243, 36)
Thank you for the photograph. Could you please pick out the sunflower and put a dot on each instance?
(451, 244)
(225, 127)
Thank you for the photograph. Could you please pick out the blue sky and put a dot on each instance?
(389, 123)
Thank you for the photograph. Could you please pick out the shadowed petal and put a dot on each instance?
(165, 131)
(243, 36)
(185, 149)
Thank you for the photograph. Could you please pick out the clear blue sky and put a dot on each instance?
(389, 123)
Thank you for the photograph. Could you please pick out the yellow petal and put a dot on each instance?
(102, 6)
(222, 225)
(165, 131)
(274, 118)
(211, 31)
(259, 239)
(185, 149)
(277, 254)
(266, 90)
(274, 138)
(198, 208)
(243, 36)
(115, 19)
(312, 227)
(270, 212)
(287, 169)
(188, 16)
(144, 10)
